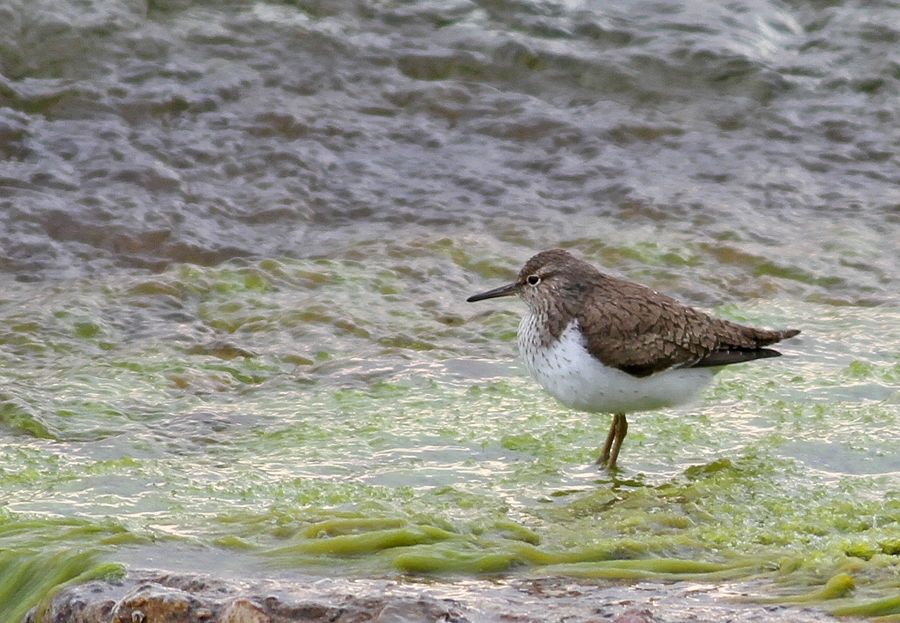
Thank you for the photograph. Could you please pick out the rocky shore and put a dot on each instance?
(154, 597)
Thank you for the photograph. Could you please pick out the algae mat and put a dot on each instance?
(236, 238)
(335, 417)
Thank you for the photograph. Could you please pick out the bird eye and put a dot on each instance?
(533, 280)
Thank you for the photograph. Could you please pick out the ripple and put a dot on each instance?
(235, 246)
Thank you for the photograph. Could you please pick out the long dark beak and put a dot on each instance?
(507, 290)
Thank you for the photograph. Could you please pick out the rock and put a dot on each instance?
(635, 616)
(152, 602)
(155, 597)
(415, 611)
(167, 598)
(243, 611)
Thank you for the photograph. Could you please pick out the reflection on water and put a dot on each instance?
(235, 243)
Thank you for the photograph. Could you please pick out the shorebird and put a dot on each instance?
(605, 345)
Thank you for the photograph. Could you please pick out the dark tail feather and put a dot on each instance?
(764, 337)
(758, 338)
(728, 357)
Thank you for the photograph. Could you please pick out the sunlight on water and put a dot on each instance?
(437, 464)
(236, 240)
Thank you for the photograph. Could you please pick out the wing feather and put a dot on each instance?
(640, 331)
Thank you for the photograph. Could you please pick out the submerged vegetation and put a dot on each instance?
(295, 437)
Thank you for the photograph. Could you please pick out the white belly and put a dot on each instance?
(570, 374)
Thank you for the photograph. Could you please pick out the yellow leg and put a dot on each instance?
(603, 459)
(621, 431)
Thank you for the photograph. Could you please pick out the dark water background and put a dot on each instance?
(235, 238)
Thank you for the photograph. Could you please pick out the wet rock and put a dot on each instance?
(153, 602)
(302, 611)
(413, 611)
(165, 598)
(155, 597)
(244, 611)
(635, 616)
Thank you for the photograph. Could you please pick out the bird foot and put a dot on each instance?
(604, 463)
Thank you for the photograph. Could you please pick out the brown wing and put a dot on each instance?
(640, 331)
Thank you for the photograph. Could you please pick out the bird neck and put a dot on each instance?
(544, 324)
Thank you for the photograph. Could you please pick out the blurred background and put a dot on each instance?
(236, 238)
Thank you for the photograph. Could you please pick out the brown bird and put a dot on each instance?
(605, 345)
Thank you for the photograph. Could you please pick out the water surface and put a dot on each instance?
(236, 238)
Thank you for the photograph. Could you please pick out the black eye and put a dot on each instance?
(533, 280)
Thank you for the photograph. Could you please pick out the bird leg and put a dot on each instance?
(621, 431)
(610, 437)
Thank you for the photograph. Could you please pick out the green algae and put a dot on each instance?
(365, 543)
(18, 417)
(660, 569)
(332, 527)
(453, 561)
(294, 419)
(30, 578)
(838, 586)
(516, 532)
(877, 608)
(101, 571)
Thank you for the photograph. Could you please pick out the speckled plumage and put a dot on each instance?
(601, 344)
(567, 370)
(631, 327)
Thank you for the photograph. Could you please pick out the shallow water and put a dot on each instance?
(236, 241)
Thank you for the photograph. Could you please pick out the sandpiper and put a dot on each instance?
(605, 345)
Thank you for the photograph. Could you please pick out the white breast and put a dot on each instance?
(569, 373)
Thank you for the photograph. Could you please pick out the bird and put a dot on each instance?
(601, 344)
